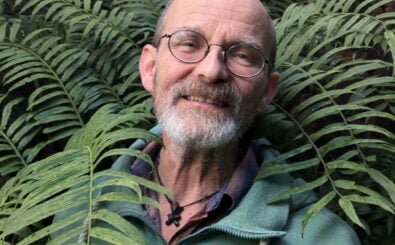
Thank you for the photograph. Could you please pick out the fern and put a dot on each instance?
(64, 70)
(39, 190)
(339, 104)
(13, 141)
(63, 60)
(50, 105)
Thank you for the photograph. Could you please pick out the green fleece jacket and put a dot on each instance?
(253, 221)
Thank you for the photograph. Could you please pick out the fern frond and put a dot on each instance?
(335, 103)
(23, 65)
(113, 30)
(15, 135)
(41, 189)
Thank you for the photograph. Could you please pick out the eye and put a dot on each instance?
(244, 55)
(187, 42)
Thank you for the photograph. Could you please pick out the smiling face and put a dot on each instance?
(203, 105)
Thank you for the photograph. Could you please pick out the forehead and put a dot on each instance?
(221, 21)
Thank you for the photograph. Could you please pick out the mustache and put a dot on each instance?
(224, 93)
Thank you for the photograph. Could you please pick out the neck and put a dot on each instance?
(193, 173)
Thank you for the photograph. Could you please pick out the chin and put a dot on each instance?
(200, 132)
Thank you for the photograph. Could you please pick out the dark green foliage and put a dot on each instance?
(336, 104)
(71, 101)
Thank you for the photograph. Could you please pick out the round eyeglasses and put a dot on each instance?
(242, 60)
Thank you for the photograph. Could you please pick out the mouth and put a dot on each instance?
(215, 102)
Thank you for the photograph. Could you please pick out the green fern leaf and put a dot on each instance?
(271, 169)
(123, 225)
(299, 189)
(316, 208)
(390, 37)
(50, 229)
(384, 181)
(372, 198)
(114, 237)
(349, 210)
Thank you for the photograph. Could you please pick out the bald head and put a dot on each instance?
(254, 8)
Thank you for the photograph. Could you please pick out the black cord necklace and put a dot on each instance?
(174, 216)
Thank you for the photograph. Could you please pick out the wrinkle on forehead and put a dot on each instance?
(247, 15)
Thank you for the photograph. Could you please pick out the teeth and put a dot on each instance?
(205, 100)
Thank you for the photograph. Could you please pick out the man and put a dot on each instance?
(210, 71)
(202, 107)
(209, 74)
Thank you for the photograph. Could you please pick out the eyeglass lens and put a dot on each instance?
(191, 47)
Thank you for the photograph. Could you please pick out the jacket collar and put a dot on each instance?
(253, 215)
(252, 218)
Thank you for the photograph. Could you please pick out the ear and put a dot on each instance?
(270, 90)
(147, 67)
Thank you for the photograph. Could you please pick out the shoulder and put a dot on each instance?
(326, 227)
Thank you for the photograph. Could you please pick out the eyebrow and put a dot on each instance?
(252, 43)
(245, 41)
(190, 28)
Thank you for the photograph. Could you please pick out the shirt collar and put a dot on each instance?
(234, 190)
(230, 193)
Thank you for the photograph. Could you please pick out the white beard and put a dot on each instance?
(197, 127)
(214, 133)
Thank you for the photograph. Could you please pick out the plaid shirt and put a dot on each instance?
(218, 206)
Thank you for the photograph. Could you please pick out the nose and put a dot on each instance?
(212, 68)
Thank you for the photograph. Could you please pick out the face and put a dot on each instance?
(203, 105)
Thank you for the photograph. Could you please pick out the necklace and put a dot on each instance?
(174, 216)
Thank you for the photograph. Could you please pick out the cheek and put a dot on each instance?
(251, 95)
(161, 78)
(169, 73)
(164, 81)
(171, 69)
